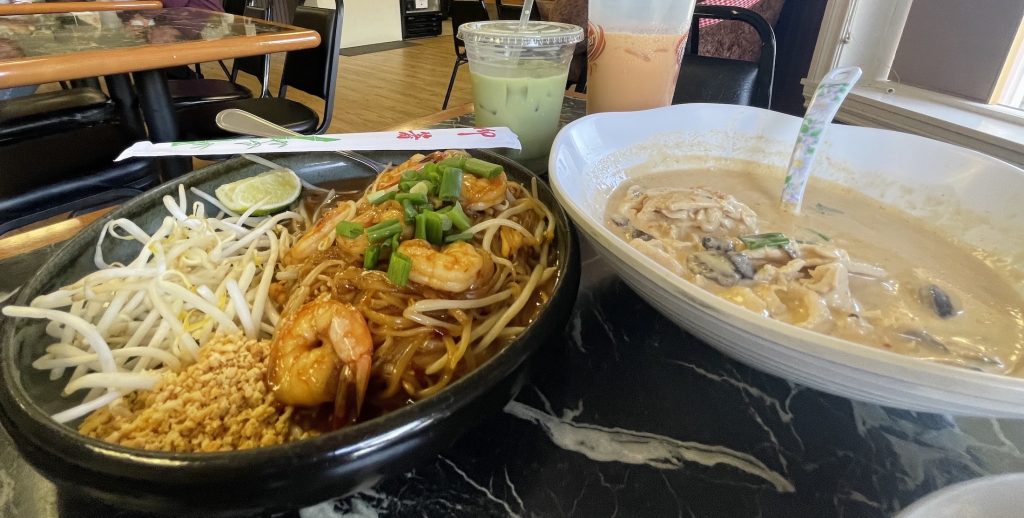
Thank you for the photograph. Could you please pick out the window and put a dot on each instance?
(1009, 89)
(946, 69)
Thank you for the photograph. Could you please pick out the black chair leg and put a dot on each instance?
(581, 83)
(123, 95)
(227, 73)
(451, 83)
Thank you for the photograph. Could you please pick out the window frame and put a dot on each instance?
(866, 33)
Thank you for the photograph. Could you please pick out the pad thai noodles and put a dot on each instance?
(240, 330)
(388, 298)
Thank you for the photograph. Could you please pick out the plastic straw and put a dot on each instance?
(525, 17)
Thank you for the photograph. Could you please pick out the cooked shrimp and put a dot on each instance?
(483, 193)
(311, 240)
(394, 175)
(368, 216)
(477, 193)
(322, 353)
(455, 269)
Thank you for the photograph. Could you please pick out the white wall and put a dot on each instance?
(366, 22)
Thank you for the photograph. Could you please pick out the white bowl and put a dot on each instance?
(997, 496)
(961, 192)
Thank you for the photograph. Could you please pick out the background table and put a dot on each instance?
(42, 7)
(625, 414)
(64, 46)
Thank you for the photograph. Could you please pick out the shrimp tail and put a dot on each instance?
(352, 384)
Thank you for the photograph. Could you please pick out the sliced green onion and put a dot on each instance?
(409, 210)
(454, 161)
(395, 241)
(465, 236)
(771, 239)
(434, 177)
(380, 197)
(451, 184)
(430, 168)
(349, 229)
(421, 226)
(459, 219)
(482, 168)
(446, 222)
(423, 187)
(411, 174)
(819, 234)
(399, 268)
(371, 257)
(417, 198)
(433, 230)
(445, 210)
(384, 230)
(405, 185)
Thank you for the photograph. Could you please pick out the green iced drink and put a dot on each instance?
(519, 77)
(529, 106)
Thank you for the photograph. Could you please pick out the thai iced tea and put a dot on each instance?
(630, 71)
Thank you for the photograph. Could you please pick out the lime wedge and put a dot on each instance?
(274, 191)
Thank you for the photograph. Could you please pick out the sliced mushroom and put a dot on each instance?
(741, 263)
(960, 356)
(641, 235)
(793, 251)
(939, 301)
(716, 244)
(714, 266)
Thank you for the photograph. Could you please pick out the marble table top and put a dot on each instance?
(625, 414)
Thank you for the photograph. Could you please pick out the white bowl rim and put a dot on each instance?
(869, 358)
(956, 490)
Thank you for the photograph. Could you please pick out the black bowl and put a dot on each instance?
(278, 477)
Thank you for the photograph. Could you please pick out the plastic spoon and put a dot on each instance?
(245, 123)
(829, 95)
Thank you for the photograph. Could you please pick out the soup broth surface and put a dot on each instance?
(848, 266)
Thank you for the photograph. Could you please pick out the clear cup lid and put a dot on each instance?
(506, 33)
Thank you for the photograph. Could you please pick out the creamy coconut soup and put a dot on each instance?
(848, 266)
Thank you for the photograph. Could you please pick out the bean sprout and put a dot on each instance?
(119, 328)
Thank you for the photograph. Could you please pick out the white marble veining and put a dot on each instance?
(486, 491)
(605, 444)
(923, 454)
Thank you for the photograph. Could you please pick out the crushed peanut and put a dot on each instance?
(220, 403)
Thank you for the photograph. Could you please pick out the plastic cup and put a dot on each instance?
(519, 77)
(634, 51)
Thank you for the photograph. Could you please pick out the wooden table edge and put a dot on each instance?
(75, 7)
(30, 240)
(34, 70)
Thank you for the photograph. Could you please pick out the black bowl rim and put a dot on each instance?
(358, 439)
